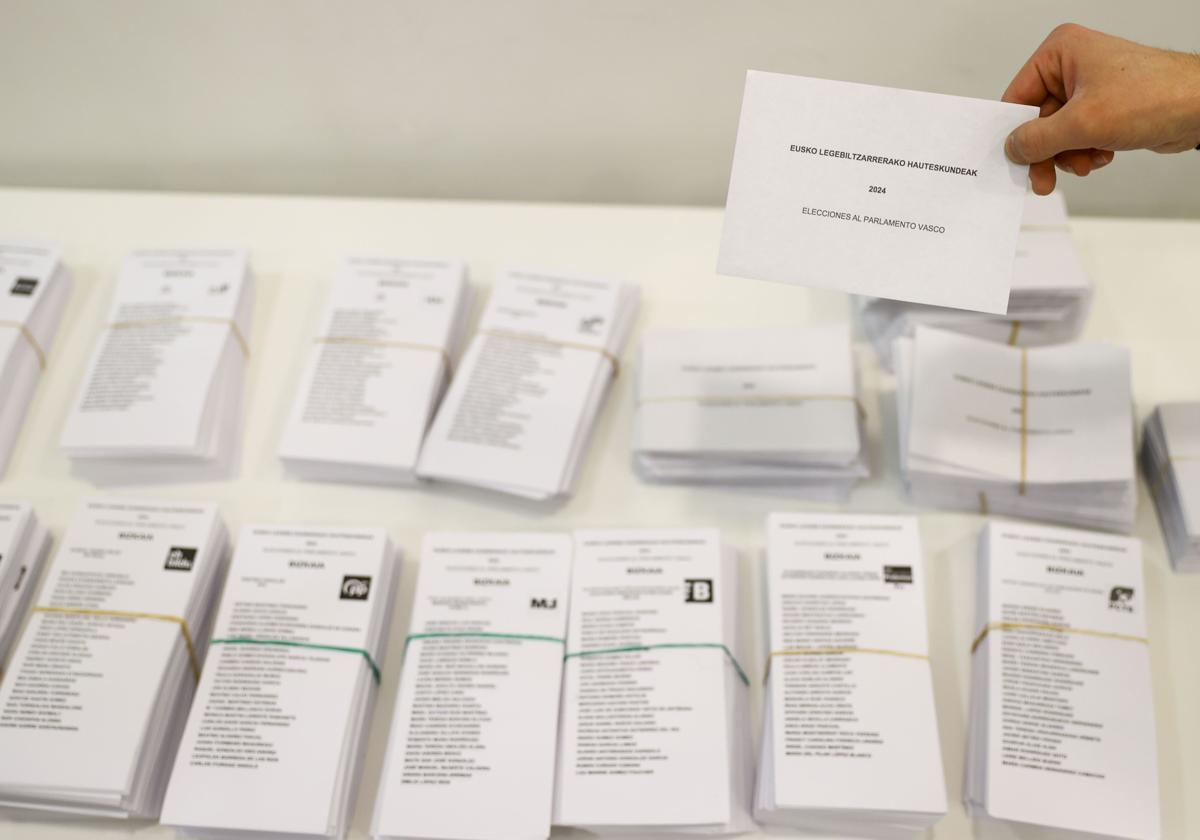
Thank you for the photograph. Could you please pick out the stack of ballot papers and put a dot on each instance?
(1171, 459)
(162, 397)
(34, 287)
(24, 543)
(97, 692)
(655, 733)
(850, 738)
(275, 741)
(519, 414)
(377, 369)
(1043, 433)
(1061, 731)
(471, 750)
(772, 406)
(1049, 302)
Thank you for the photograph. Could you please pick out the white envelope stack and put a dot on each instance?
(1042, 433)
(655, 733)
(162, 397)
(850, 735)
(275, 741)
(97, 692)
(1061, 731)
(377, 369)
(34, 288)
(519, 414)
(775, 406)
(24, 544)
(1049, 301)
(1171, 459)
(471, 750)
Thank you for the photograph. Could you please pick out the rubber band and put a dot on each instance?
(174, 619)
(242, 640)
(28, 336)
(665, 646)
(180, 319)
(1058, 628)
(836, 651)
(571, 345)
(379, 342)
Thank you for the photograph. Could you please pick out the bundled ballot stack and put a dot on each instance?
(655, 732)
(1049, 301)
(519, 414)
(377, 369)
(34, 287)
(1061, 731)
(750, 406)
(276, 737)
(24, 543)
(1171, 459)
(162, 396)
(96, 694)
(1043, 433)
(471, 751)
(850, 737)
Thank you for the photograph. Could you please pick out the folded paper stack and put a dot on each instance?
(1061, 731)
(520, 412)
(24, 544)
(775, 406)
(1049, 302)
(34, 288)
(655, 734)
(162, 397)
(98, 689)
(1042, 433)
(850, 736)
(377, 370)
(275, 741)
(1171, 460)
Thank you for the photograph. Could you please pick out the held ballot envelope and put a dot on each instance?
(892, 193)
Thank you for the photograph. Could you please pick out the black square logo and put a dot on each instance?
(180, 559)
(356, 588)
(897, 574)
(24, 286)
(1121, 599)
(698, 591)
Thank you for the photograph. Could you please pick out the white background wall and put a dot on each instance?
(603, 100)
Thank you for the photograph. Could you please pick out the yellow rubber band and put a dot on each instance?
(378, 342)
(181, 319)
(28, 336)
(837, 651)
(1058, 628)
(550, 342)
(173, 619)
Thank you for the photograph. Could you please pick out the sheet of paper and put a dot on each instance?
(471, 751)
(877, 191)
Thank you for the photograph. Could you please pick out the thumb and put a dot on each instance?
(1044, 137)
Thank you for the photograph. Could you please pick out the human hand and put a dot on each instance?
(1098, 95)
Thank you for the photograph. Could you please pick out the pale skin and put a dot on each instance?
(1099, 95)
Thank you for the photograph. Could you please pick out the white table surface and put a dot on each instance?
(1148, 274)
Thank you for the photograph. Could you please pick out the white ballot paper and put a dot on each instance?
(34, 288)
(24, 544)
(519, 414)
(471, 751)
(1042, 433)
(1049, 304)
(772, 406)
(655, 733)
(276, 737)
(1061, 729)
(94, 700)
(1171, 459)
(377, 369)
(161, 399)
(878, 191)
(850, 739)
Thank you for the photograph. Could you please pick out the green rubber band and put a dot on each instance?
(240, 640)
(520, 637)
(667, 645)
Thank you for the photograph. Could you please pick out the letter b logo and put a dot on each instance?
(698, 591)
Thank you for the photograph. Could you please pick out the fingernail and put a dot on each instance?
(1010, 148)
(1099, 159)
(1065, 167)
